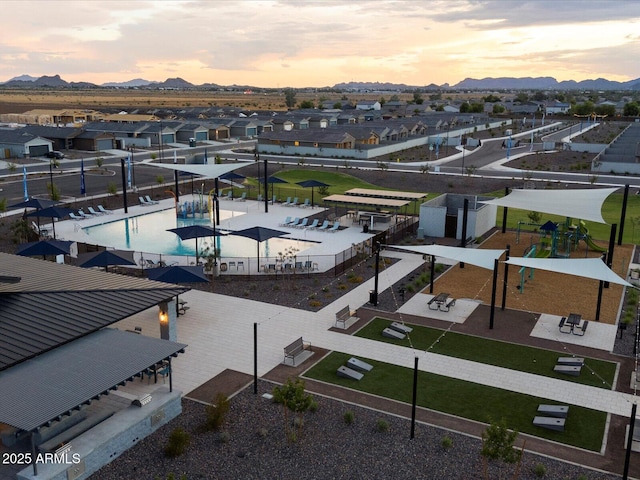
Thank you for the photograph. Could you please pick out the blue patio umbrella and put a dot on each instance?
(51, 212)
(32, 202)
(312, 184)
(45, 247)
(105, 258)
(259, 234)
(195, 231)
(178, 274)
(232, 176)
(272, 181)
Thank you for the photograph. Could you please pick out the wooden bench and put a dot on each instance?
(294, 349)
(344, 315)
(69, 434)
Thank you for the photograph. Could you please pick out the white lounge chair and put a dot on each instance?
(104, 210)
(143, 202)
(84, 215)
(294, 222)
(313, 225)
(73, 216)
(324, 225)
(335, 228)
(303, 223)
(148, 199)
(294, 203)
(243, 197)
(306, 203)
(92, 211)
(287, 203)
(286, 222)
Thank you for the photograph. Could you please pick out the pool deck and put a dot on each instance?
(250, 213)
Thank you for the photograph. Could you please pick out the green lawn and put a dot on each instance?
(596, 373)
(339, 183)
(611, 210)
(584, 428)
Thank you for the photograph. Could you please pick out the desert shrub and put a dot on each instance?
(314, 303)
(314, 406)
(216, 414)
(349, 417)
(341, 286)
(540, 470)
(263, 432)
(224, 437)
(382, 425)
(178, 442)
(446, 442)
(355, 279)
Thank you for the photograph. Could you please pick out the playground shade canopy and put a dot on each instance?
(366, 192)
(585, 204)
(484, 258)
(365, 201)
(582, 267)
(206, 170)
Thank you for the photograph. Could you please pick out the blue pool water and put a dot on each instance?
(148, 233)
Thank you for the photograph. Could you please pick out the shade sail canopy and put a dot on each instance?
(312, 183)
(106, 258)
(195, 231)
(593, 268)
(33, 203)
(585, 204)
(479, 257)
(45, 247)
(178, 274)
(206, 170)
(51, 212)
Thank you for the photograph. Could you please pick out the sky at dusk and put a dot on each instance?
(298, 43)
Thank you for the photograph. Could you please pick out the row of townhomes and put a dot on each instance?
(304, 132)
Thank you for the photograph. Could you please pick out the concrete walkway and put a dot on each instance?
(219, 332)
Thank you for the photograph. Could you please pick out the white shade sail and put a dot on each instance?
(206, 170)
(585, 204)
(582, 267)
(479, 257)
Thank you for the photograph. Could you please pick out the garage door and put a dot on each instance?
(38, 150)
(105, 144)
(201, 136)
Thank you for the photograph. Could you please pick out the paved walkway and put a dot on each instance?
(219, 332)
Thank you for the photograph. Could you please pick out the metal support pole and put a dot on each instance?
(175, 180)
(50, 178)
(504, 212)
(632, 421)
(124, 186)
(415, 396)
(266, 187)
(623, 213)
(493, 293)
(599, 302)
(506, 277)
(255, 358)
(375, 284)
(170, 376)
(612, 244)
(433, 272)
(465, 217)
(217, 204)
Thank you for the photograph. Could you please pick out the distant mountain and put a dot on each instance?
(380, 86)
(173, 83)
(23, 78)
(136, 82)
(543, 83)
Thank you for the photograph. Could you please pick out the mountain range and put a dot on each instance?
(489, 83)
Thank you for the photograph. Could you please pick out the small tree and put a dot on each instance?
(534, 217)
(112, 188)
(498, 444)
(290, 97)
(217, 413)
(293, 398)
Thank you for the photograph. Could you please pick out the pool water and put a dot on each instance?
(148, 233)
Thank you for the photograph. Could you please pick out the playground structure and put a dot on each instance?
(558, 241)
(196, 207)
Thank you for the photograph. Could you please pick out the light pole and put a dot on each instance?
(52, 163)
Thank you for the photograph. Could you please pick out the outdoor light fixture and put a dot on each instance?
(163, 314)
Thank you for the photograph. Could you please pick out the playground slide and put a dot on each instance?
(588, 240)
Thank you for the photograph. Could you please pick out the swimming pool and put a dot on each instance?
(148, 233)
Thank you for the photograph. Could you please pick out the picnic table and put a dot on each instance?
(573, 320)
(441, 302)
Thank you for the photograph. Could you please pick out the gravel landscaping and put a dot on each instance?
(254, 446)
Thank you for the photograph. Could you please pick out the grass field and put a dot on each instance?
(610, 212)
(584, 428)
(597, 373)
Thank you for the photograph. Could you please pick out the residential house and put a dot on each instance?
(22, 144)
(368, 105)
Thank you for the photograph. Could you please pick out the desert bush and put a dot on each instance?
(178, 442)
(349, 417)
(216, 414)
(382, 425)
(446, 442)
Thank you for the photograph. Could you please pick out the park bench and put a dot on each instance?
(72, 432)
(344, 315)
(294, 349)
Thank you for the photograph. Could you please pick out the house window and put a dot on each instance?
(296, 143)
